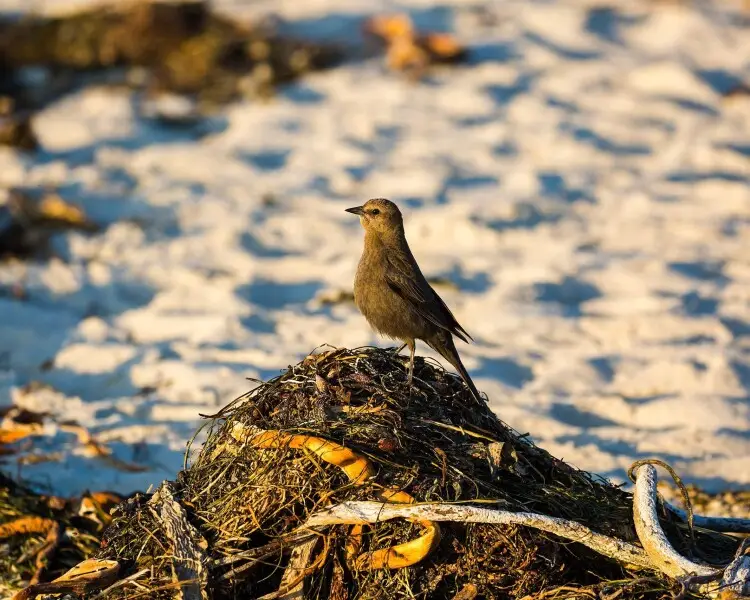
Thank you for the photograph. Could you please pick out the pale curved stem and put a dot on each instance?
(652, 537)
(722, 524)
(375, 512)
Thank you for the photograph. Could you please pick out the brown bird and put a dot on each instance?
(393, 295)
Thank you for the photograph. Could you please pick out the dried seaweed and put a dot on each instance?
(28, 220)
(432, 441)
(179, 47)
(41, 537)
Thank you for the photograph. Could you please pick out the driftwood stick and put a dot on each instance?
(721, 524)
(87, 576)
(735, 582)
(294, 575)
(375, 512)
(189, 561)
(292, 586)
(650, 533)
(130, 579)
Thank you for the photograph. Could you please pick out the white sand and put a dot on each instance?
(583, 183)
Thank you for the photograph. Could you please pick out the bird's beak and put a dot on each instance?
(356, 210)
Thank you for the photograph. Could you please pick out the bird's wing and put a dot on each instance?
(414, 289)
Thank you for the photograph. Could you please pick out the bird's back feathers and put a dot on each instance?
(405, 278)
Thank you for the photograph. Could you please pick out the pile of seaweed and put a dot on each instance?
(181, 47)
(264, 470)
(42, 537)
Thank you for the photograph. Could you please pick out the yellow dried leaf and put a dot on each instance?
(443, 46)
(25, 526)
(358, 469)
(390, 27)
(8, 436)
(91, 570)
(55, 208)
(409, 50)
(402, 555)
(97, 449)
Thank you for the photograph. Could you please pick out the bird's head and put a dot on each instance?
(379, 216)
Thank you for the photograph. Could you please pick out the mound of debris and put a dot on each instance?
(337, 480)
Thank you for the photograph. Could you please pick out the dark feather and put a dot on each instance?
(443, 344)
(407, 281)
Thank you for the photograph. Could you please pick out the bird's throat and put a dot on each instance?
(392, 239)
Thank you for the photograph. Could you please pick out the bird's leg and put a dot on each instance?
(412, 345)
(397, 351)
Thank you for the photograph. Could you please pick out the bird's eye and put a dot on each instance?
(375, 211)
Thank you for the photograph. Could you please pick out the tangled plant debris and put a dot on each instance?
(179, 47)
(29, 219)
(18, 424)
(410, 50)
(176, 48)
(336, 480)
(41, 537)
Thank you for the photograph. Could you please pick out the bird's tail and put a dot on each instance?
(447, 349)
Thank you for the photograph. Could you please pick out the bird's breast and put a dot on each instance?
(386, 311)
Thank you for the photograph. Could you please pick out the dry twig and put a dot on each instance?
(188, 557)
(376, 512)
